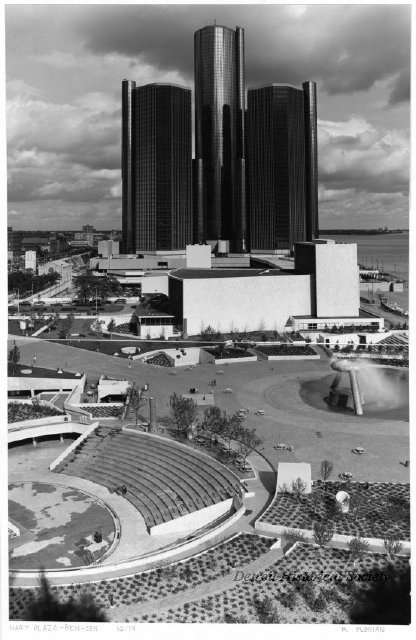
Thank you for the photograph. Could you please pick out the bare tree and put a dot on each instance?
(248, 442)
(214, 422)
(357, 547)
(14, 357)
(392, 545)
(298, 488)
(232, 428)
(327, 468)
(323, 533)
(136, 400)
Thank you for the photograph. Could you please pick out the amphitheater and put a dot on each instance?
(102, 503)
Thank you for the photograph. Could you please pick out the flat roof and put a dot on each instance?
(39, 372)
(200, 274)
(146, 312)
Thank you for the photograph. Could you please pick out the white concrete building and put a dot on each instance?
(324, 284)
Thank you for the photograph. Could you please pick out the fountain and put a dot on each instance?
(359, 385)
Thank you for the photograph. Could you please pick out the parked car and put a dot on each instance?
(120, 301)
(39, 303)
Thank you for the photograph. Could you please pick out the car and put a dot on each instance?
(56, 304)
(39, 303)
(120, 301)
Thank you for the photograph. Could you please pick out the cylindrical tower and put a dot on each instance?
(127, 165)
(219, 132)
(311, 160)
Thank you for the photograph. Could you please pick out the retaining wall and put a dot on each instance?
(193, 521)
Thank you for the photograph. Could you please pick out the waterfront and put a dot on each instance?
(390, 251)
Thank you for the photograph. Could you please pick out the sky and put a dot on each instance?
(65, 64)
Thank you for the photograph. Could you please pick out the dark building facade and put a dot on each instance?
(157, 180)
(281, 192)
(311, 160)
(127, 165)
(219, 166)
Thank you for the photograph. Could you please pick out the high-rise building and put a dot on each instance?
(127, 165)
(219, 167)
(282, 170)
(311, 160)
(157, 167)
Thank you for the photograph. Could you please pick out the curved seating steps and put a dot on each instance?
(137, 502)
(173, 479)
(185, 460)
(179, 450)
(142, 489)
(198, 475)
(223, 477)
(157, 488)
(201, 498)
(148, 509)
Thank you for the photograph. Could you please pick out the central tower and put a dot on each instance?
(219, 171)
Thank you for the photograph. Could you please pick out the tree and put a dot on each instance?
(326, 469)
(88, 286)
(136, 400)
(184, 412)
(383, 601)
(248, 442)
(208, 333)
(45, 605)
(392, 545)
(14, 357)
(111, 326)
(357, 547)
(298, 488)
(232, 428)
(214, 422)
(323, 533)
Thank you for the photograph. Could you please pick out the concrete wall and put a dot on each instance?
(154, 331)
(337, 280)
(85, 433)
(198, 256)
(155, 284)
(29, 383)
(193, 521)
(247, 303)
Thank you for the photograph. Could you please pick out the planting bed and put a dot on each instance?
(317, 600)
(17, 412)
(376, 511)
(160, 359)
(156, 584)
(285, 350)
(222, 354)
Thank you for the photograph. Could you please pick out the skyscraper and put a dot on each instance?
(219, 168)
(157, 175)
(282, 171)
(127, 165)
(311, 160)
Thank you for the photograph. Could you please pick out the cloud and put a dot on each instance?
(347, 48)
(400, 88)
(355, 154)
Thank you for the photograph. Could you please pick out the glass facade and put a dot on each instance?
(311, 160)
(162, 169)
(219, 172)
(276, 152)
(127, 165)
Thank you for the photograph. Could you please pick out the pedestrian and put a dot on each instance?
(129, 363)
(34, 360)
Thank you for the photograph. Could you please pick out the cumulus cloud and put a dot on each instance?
(356, 155)
(347, 48)
(400, 88)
